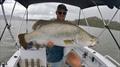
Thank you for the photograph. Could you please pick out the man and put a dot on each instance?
(56, 51)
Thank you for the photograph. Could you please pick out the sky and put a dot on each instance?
(47, 11)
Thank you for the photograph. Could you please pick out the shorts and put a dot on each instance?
(55, 54)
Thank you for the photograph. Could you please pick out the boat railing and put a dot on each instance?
(13, 61)
(112, 60)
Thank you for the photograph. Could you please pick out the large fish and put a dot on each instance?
(61, 33)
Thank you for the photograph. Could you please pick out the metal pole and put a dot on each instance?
(7, 25)
(113, 36)
(79, 16)
(106, 25)
(27, 20)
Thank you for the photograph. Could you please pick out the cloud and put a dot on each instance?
(40, 9)
(9, 1)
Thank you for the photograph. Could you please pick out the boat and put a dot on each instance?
(37, 57)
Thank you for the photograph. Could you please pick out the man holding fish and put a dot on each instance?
(72, 59)
(56, 35)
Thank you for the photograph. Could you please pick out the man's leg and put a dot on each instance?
(73, 59)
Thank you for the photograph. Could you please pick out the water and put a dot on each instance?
(105, 46)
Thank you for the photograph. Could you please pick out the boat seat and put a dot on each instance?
(37, 58)
(30, 63)
(32, 58)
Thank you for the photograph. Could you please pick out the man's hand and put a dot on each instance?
(50, 43)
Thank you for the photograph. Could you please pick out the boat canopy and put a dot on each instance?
(2, 1)
(80, 3)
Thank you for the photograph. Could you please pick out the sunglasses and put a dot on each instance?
(64, 13)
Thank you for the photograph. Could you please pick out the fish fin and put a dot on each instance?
(22, 41)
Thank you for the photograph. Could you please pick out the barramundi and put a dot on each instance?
(60, 33)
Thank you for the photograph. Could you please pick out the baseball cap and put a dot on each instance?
(62, 6)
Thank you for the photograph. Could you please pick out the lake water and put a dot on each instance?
(105, 45)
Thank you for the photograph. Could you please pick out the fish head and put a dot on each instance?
(86, 40)
(92, 41)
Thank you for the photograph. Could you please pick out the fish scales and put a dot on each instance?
(60, 33)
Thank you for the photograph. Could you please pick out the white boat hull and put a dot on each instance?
(29, 58)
